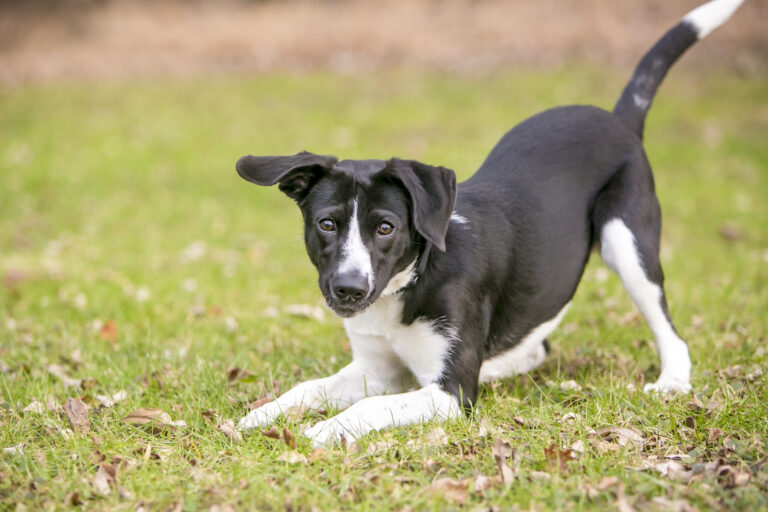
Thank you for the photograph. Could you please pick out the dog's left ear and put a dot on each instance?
(296, 174)
(433, 193)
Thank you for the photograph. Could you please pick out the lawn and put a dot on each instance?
(138, 271)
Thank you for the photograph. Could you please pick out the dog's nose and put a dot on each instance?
(350, 287)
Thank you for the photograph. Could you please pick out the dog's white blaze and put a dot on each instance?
(711, 15)
(381, 412)
(620, 253)
(355, 255)
(523, 357)
(400, 280)
(458, 218)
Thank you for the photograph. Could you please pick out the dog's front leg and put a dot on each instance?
(341, 389)
(381, 412)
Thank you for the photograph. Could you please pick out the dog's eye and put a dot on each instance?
(327, 225)
(385, 228)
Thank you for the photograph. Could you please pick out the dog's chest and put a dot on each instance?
(420, 347)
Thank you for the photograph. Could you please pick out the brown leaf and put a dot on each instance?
(731, 232)
(558, 458)
(501, 452)
(318, 454)
(77, 412)
(259, 402)
(211, 416)
(713, 434)
(450, 489)
(437, 437)
(482, 483)
(626, 437)
(105, 479)
(272, 432)
(289, 439)
(235, 374)
(607, 482)
(108, 331)
(229, 430)
(157, 419)
(110, 401)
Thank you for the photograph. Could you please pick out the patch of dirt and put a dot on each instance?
(52, 39)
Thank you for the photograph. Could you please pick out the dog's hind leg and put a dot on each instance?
(627, 218)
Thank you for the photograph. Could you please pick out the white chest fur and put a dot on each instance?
(419, 347)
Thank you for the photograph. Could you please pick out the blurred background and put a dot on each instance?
(54, 39)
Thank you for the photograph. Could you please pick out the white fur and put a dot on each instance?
(620, 253)
(355, 255)
(381, 412)
(711, 15)
(458, 218)
(420, 347)
(640, 102)
(523, 357)
(400, 280)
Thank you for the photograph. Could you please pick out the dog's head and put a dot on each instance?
(364, 220)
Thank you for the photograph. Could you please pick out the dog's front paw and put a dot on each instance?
(259, 418)
(669, 385)
(333, 431)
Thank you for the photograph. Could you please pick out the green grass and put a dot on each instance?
(104, 188)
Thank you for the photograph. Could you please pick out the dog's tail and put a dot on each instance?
(636, 99)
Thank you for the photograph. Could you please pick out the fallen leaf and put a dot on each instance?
(110, 401)
(158, 419)
(108, 331)
(380, 446)
(104, 480)
(295, 413)
(454, 490)
(293, 457)
(501, 452)
(540, 475)
(318, 454)
(481, 484)
(731, 232)
(578, 446)
(235, 374)
(59, 372)
(607, 482)
(305, 311)
(558, 458)
(77, 413)
(679, 505)
(35, 406)
(626, 437)
(258, 403)
(229, 430)
(289, 439)
(272, 432)
(570, 385)
(437, 437)
(17, 449)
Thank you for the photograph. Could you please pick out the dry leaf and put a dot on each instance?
(540, 475)
(108, 331)
(155, 418)
(59, 372)
(77, 412)
(437, 437)
(289, 439)
(293, 457)
(110, 401)
(558, 458)
(379, 446)
(318, 454)
(272, 432)
(570, 385)
(235, 374)
(578, 446)
(607, 482)
(35, 406)
(229, 430)
(295, 413)
(679, 505)
(482, 483)
(258, 403)
(104, 479)
(451, 489)
(501, 452)
(624, 436)
(17, 449)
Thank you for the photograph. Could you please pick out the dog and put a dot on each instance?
(458, 285)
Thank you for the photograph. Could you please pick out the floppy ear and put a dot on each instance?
(296, 174)
(433, 193)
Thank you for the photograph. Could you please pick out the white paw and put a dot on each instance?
(668, 385)
(258, 418)
(332, 431)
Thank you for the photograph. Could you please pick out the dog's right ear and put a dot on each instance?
(296, 174)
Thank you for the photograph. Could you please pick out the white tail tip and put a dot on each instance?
(711, 15)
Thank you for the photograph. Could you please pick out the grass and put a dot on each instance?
(119, 201)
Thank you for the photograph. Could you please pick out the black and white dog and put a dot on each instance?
(459, 285)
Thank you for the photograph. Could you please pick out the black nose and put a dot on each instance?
(350, 287)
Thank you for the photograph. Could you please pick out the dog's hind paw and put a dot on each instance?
(668, 386)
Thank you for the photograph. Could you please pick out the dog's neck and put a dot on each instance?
(401, 280)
